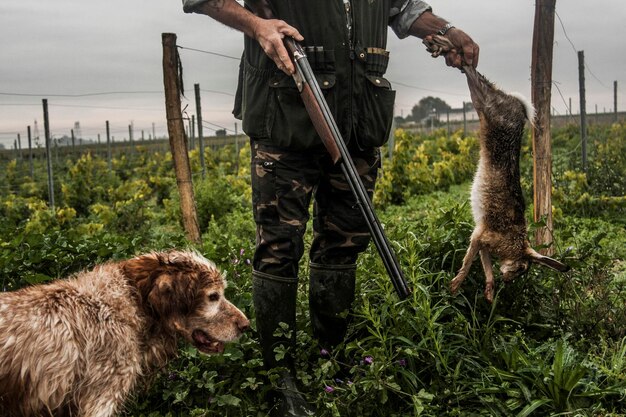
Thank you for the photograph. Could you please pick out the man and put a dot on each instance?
(345, 42)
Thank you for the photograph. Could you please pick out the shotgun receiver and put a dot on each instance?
(327, 129)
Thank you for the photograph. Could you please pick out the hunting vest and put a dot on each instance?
(345, 45)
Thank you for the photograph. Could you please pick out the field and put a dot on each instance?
(550, 345)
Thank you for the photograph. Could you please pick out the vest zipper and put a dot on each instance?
(352, 55)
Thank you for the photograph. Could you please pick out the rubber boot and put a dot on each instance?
(274, 300)
(331, 293)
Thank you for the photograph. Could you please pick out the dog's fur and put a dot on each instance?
(497, 200)
(77, 346)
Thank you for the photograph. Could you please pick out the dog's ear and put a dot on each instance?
(547, 261)
(142, 271)
(162, 295)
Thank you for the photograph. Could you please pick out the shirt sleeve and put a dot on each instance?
(190, 5)
(403, 13)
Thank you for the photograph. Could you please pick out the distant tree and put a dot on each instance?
(426, 106)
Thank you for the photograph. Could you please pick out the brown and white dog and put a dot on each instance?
(77, 346)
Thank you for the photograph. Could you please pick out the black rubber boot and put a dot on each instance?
(331, 293)
(274, 300)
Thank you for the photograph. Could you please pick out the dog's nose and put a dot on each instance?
(243, 325)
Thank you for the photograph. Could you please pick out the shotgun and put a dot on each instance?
(326, 127)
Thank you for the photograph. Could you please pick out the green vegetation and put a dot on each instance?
(550, 345)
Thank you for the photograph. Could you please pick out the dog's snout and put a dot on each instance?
(243, 324)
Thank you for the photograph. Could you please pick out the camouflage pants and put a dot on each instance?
(283, 184)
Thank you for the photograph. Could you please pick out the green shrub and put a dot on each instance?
(422, 165)
(550, 344)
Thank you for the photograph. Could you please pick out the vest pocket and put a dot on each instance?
(255, 100)
(289, 124)
(376, 115)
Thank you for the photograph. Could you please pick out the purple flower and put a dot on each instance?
(328, 389)
(402, 362)
(241, 252)
(324, 352)
(368, 360)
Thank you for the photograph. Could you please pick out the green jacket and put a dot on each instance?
(349, 65)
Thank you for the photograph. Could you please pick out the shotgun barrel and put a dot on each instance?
(328, 131)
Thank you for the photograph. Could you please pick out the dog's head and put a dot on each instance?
(184, 292)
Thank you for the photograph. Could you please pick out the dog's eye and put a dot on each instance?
(214, 297)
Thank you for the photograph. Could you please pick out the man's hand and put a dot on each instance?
(270, 34)
(465, 51)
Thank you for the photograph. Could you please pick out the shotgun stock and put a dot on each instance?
(328, 131)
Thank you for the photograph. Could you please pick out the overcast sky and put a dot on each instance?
(69, 50)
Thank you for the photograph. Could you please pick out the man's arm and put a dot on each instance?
(268, 32)
(466, 51)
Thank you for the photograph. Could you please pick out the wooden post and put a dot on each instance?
(73, 142)
(130, 138)
(541, 75)
(570, 107)
(30, 153)
(46, 125)
(19, 147)
(192, 132)
(108, 145)
(199, 117)
(237, 149)
(464, 121)
(615, 99)
(583, 107)
(176, 130)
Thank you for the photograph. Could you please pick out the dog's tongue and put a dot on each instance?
(201, 337)
(204, 343)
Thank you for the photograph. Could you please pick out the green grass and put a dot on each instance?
(550, 344)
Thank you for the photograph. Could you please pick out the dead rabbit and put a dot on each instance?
(496, 197)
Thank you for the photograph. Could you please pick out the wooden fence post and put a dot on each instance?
(46, 124)
(464, 121)
(615, 100)
(108, 145)
(541, 75)
(237, 149)
(30, 154)
(583, 107)
(19, 147)
(176, 130)
(200, 139)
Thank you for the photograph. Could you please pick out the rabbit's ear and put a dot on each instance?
(547, 261)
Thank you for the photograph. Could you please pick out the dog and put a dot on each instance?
(496, 198)
(77, 346)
